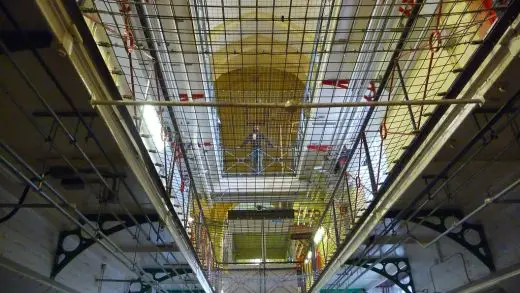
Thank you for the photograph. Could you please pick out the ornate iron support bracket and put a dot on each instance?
(106, 223)
(162, 274)
(397, 270)
(441, 220)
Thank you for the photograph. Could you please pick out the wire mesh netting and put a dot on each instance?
(321, 162)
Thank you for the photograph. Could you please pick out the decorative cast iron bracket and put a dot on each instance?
(441, 220)
(397, 270)
(106, 223)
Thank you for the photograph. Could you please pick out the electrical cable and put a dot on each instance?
(15, 210)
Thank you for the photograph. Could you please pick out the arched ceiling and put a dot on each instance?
(263, 30)
(267, 37)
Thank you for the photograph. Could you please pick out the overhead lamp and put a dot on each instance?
(319, 235)
(154, 126)
(190, 219)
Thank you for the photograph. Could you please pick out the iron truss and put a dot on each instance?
(396, 270)
(64, 256)
(439, 221)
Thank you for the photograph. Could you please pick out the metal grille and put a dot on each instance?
(326, 163)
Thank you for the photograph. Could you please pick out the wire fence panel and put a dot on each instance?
(325, 164)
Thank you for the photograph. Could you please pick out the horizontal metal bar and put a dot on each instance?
(256, 263)
(118, 280)
(152, 248)
(29, 205)
(508, 201)
(288, 104)
(260, 214)
(64, 114)
(259, 267)
(177, 282)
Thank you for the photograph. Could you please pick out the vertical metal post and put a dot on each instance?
(405, 92)
(262, 278)
(369, 163)
(336, 232)
(313, 260)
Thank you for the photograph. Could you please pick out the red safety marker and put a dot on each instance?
(383, 130)
(181, 188)
(319, 147)
(128, 35)
(197, 96)
(372, 88)
(205, 144)
(407, 9)
(339, 83)
(183, 97)
(492, 14)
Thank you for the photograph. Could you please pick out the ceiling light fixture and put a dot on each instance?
(154, 126)
(319, 235)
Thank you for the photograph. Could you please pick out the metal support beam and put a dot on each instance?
(16, 42)
(286, 105)
(369, 164)
(65, 114)
(508, 201)
(259, 215)
(336, 232)
(405, 92)
(383, 240)
(30, 205)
